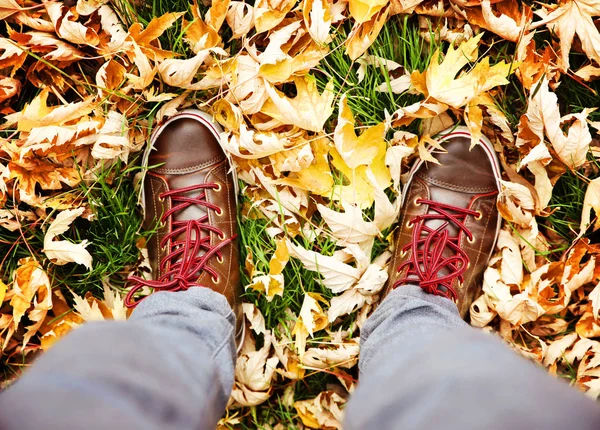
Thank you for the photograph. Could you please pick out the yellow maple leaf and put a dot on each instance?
(356, 150)
(29, 278)
(363, 34)
(312, 318)
(39, 114)
(308, 110)
(269, 13)
(444, 86)
(317, 177)
(570, 18)
(358, 189)
(364, 10)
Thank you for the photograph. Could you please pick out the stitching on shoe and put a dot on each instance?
(456, 187)
(191, 169)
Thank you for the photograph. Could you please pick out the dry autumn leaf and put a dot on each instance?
(62, 251)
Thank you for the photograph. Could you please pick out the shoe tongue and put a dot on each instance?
(448, 197)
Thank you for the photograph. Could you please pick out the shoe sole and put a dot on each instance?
(462, 131)
(217, 132)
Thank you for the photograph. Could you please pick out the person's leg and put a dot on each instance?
(171, 366)
(423, 367)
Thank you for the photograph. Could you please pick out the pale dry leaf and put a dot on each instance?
(323, 411)
(39, 114)
(590, 201)
(308, 110)
(570, 18)
(511, 266)
(503, 25)
(544, 117)
(557, 348)
(67, 27)
(254, 317)
(87, 7)
(348, 226)
(180, 73)
(364, 10)
(311, 319)
(337, 276)
(337, 354)
(29, 278)
(346, 303)
(254, 372)
(271, 285)
(356, 150)
(444, 86)
(62, 251)
(318, 19)
(89, 310)
(240, 17)
(114, 302)
(594, 297)
(8, 8)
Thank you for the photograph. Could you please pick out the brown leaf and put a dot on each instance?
(67, 27)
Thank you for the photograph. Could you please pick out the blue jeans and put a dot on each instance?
(171, 366)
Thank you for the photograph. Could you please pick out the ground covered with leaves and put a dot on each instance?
(325, 105)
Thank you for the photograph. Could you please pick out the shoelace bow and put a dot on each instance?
(183, 261)
(427, 248)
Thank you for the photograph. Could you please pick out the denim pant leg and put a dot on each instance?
(171, 366)
(423, 367)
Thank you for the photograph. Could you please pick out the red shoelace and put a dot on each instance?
(184, 263)
(427, 248)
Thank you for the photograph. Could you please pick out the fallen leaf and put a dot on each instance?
(67, 27)
(318, 19)
(308, 110)
(348, 226)
(590, 201)
(364, 10)
(356, 150)
(254, 371)
(323, 411)
(240, 17)
(254, 317)
(570, 18)
(62, 251)
(337, 276)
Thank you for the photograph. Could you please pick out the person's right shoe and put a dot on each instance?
(449, 222)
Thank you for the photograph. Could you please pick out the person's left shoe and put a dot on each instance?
(449, 222)
(191, 190)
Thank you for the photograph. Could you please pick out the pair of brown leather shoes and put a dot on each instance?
(448, 225)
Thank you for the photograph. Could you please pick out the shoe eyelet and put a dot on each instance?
(219, 212)
(479, 215)
(218, 187)
(221, 236)
(471, 241)
(409, 224)
(468, 265)
(220, 259)
(416, 202)
(216, 279)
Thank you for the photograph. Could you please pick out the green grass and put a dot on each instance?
(114, 233)
(398, 41)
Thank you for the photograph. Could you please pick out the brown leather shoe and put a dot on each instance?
(193, 194)
(449, 222)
